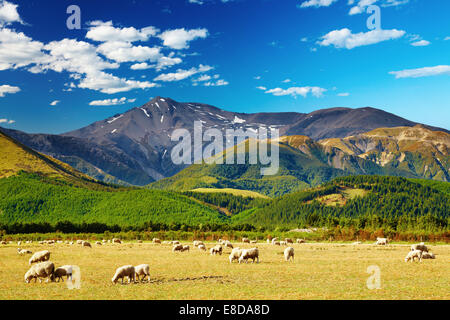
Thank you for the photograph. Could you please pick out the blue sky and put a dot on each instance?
(239, 55)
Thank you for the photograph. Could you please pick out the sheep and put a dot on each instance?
(185, 248)
(40, 256)
(381, 241)
(356, 243)
(166, 242)
(421, 246)
(268, 241)
(276, 243)
(122, 272)
(40, 270)
(288, 240)
(202, 247)
(288, 253)
(228, 244)
(300, 240)
(3, 242)
(177, 247)
(414, 254)
(23, 251)
(142, 270)
(216, 250)
(235, 254)
(19, 243)
(156, 240)
(139, 241)
(252, 253)
(245, 240)
(283, 243)
(79, 241)
(62, 271)
(104, 241)
(98, 243)
(253, 241)
(175, 242)
(116, 240)
(428, 255)
(197, 243)
(86, 244)
(274, 239)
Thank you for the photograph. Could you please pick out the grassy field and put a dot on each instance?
(235, 192)
(320, 271)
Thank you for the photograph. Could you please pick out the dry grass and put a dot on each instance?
(320, 271)
(235, 192)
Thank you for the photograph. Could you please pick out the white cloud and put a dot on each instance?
(126, 52)
(217, 83)
(447, 38)
(362, 5)
(286, 80)
(110, 84)
(343, 94)
(261, 88)
(344, 38)
(196, 1)
(182, 74)
(295, 91)
(180, 38)
(5, 89)
(7, 121)
(54, 103)
(422, 72)
(421, 43)
(106, 32)
(8, 13)
(111, 102)
(202, 78)
(317, 3)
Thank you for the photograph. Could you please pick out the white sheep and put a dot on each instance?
(40, 256)
(216, 250)
(235, 254)
(23, 251)
(421, 246)
(40, 270)
(245, 240)
(202, 247)
(274, 239)
(414, 254)
(283, 243)
(198, 243)
(381, 241)
(185, 248)
(253, 241)
(98, 243)
(301, 241)
(142, 270)
(122, 272)
(228, 244)
(289, 253)
(252, 253)
(62, 271)
(86, 244)
(116, 240)
(276, 243)
(175, 242)
(79, 241)
(288, 240)
(356, 243)
(156, 240)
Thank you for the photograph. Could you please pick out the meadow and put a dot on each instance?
(320, 271)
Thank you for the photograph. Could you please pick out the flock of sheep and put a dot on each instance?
(42, 268)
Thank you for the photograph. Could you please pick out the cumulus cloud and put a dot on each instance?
(362, 5)
(6, 88)
(295, 91)
(317, 3)
(110, 84)
(126, 52)
(111, 102)
(421, 43)
(180, 38)
(344, 38)
(182, 74)
(422, 72)
(8, 13)
(261, 88)
(54, 103)
(7, 121)
(106, 32)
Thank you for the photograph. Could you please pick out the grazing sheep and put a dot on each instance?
(166, 242)
(198, 243)
(40, 270)
(142, 270)
(414, 254)
(228, 244)
(60, 272)
(381, 241)
(245, 240)
(139, 241)
(98, 243)
(274, 239)
(289, 253)
(428, 255)
(235, 254)
(421, 246)
(156, 240)
(356, 243)
(283, 243)
(40, 256)
(177, 247)
(216, 250)
(19, 243)
(276, 243)
(185, 248)
(23, 251)
(300, 240)
(86, 244)
(202, 247)
(253, 241)
(3, 242)
(268, 241)
(71, 243)
(104, 241)
(122, 272)
(252, 253)
(116, 240)
(288, 240)
(79, 241)
(175, 242)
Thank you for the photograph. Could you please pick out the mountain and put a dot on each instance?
(134, 147)
(16, 158)
(414, 152)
